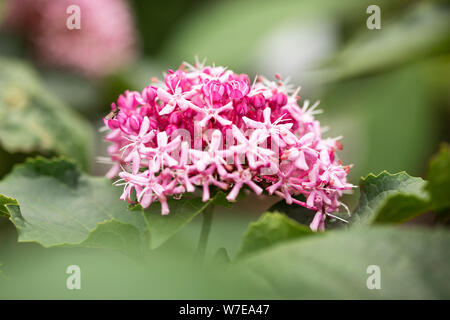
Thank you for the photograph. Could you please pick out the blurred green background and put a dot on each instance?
(386, 91)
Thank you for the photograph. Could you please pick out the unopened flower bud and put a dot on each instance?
(175, 118)
(279, 100)
(258, 101)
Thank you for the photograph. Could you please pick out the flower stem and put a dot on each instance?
(204, 235)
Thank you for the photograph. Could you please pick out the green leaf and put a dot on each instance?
(4, 202)
(272, 228)
(390, 198)
(293, 211)
(116, 235)
(221, 257)
(32, 120)
(439, 179)
(414, 264)
(220, 198)
(181, 213)
(60, 206)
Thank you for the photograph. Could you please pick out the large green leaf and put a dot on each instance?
(60, 206)
(272, 228)
(439, 179)
(390, 198)
(32, 120)
(414, 264)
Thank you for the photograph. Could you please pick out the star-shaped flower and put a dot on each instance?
(276, 129)
(213, 155)
(183, 169)
(210, 112)
(205, 179)
(240, 178)
(160, 155)
(298, 151)
(176, 96)
(137, 143)
(256, 155)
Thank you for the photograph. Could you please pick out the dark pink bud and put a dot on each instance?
(113, 123)
(331, 154)
(171, 128)
(207, 70)
(147, 110)
(163, 122)
(128, 100)
(175, 118)
(214, 89)
(122, 117)
(252, 113)
(237, 89)
(153, 123)
(189, 113)
(134, 123)
(174, 80)
(149, 95)
(258, 101)
(279, 99)
(242, 107)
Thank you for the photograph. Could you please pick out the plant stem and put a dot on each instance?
(204, 235)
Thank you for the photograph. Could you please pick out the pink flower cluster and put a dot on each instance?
(105, 41)
(205, 126)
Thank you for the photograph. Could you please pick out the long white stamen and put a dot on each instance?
(336, 217)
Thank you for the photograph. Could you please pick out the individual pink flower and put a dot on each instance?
(183, 169)
(256, 154)
(276, 129)
(205, 179)
(160, 155)
(214, 90)
(137, 143)
(301, 151)
(237, 89)
(211, 113)
(175, 97)
(213, 155)
(240, 178)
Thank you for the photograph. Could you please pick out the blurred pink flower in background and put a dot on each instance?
(105, 42)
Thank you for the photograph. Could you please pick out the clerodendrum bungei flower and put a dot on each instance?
(207, 127)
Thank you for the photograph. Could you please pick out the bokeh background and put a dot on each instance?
(385, 91)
